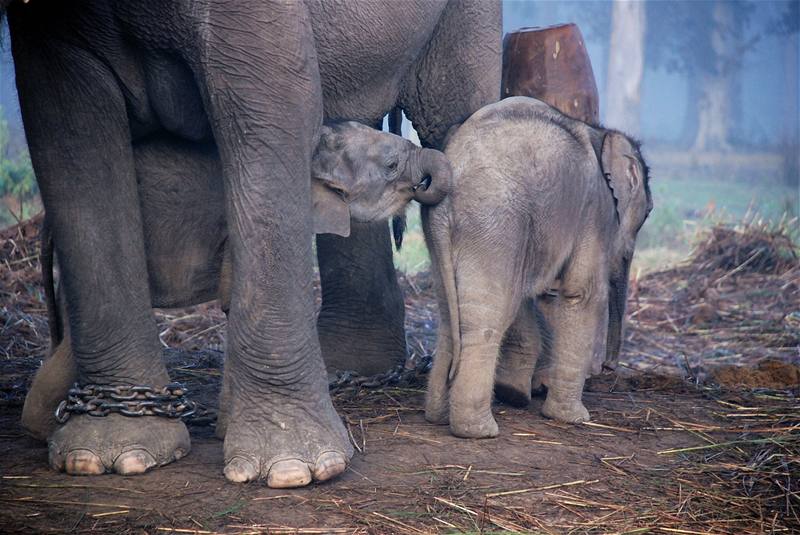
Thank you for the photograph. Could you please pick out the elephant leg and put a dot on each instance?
(49, 386)
(487, 301)
(78, 135)
(519, 353)
(576, 315)
(362, 319)
(260, 77)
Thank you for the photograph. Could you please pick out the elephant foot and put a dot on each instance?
(437, 410)
(368, 346)
(512, 394)
(566, 411)
(291, 446)
(50, 385)
(87, 445)
(474, 426)
(513, 387)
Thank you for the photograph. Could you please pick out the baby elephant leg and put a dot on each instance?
(487, 302)
(576, 316)
(519, 354)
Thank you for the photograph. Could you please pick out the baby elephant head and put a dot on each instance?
(369, 175)
(627, 177)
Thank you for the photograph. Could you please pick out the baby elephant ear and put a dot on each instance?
(330, 185)
(330, 211)
(622, 170)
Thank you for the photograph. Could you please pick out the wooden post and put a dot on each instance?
(551, 64)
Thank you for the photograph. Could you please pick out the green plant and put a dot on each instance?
(18, 188)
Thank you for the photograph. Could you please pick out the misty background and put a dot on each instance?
(711, 87)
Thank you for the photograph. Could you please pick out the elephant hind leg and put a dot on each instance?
(488, 297)
(50, 385)
(361, 322)
(519, 354)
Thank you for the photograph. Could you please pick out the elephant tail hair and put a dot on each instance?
(48, 281)
(437, 236)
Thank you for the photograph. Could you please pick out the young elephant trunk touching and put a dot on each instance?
(436, 177)
(617, 298)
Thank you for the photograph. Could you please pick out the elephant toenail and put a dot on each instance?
(329, 464)
(180, 453)
(288, 474)
(240, 470)
(134, 462)
(83, 463)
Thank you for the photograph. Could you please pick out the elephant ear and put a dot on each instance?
(330, 211)
(622, 170)
(330, 185)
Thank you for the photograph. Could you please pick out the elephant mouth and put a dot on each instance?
(423, 184)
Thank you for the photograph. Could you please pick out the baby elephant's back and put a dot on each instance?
(519, 160)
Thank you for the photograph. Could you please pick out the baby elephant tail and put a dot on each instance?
(436, 224)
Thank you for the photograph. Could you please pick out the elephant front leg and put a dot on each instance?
(259, 69)
(362, 320)
(78, 135)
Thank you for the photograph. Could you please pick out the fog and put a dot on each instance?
(764, 42)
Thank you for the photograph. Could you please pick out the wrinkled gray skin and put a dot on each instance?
(539, 201)
(254, 78)
(356, 172)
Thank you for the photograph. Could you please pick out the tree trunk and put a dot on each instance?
(714, 109)
(625, 65)
(790, 138)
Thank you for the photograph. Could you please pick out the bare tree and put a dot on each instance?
(714, 117)
(625, 65)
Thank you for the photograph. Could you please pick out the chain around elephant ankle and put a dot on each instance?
(129, 400)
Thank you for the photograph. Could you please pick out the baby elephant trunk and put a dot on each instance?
(436, 177)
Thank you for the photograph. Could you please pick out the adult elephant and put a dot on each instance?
(256, 78)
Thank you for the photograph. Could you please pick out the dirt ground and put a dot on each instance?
(662, 454)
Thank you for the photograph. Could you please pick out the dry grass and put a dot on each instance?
(662, 455)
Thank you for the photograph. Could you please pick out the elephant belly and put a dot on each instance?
(183, 217)
(365, 50)
(174, 97)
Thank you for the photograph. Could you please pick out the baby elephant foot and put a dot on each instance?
(290, 448)
(88, 445)
(437, 410)
(513, 394)
(566, 411)
(473, 426)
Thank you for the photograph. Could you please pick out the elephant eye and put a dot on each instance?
(392, 165)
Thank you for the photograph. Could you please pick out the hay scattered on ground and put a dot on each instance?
(728, 320)
(734, 302)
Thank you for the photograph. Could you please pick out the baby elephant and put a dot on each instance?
(539, 201)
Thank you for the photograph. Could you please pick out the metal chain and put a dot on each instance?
(409, 373)
(129, 400)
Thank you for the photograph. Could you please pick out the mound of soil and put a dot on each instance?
(770, 373)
